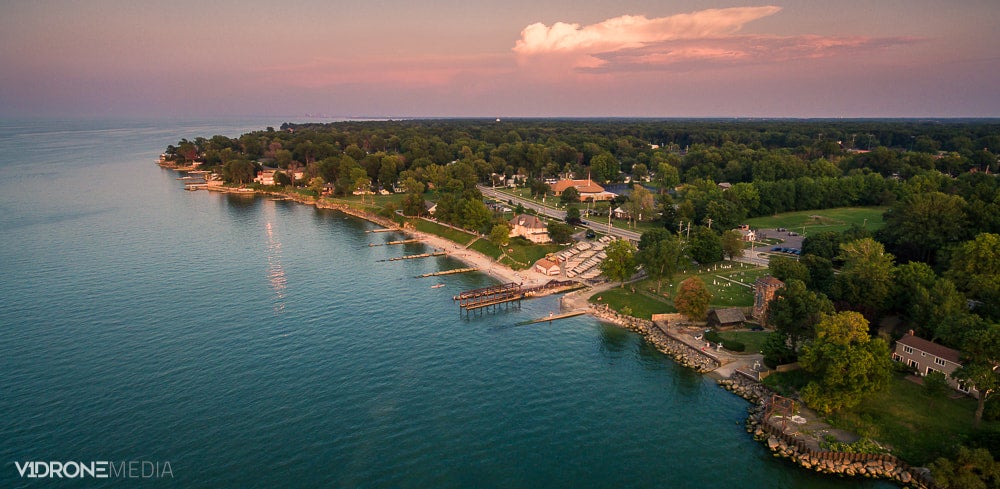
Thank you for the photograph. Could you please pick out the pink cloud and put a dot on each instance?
(705, 38)
(630, 31)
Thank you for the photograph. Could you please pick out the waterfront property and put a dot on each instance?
(926, 356)
(530, 227)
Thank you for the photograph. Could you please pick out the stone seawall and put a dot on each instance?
(785, 445)
(683, 354)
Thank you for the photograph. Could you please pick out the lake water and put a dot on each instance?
(254, 343)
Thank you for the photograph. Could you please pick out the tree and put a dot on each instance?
(820, 271)
(795, 311)
(981, 365)
(692, 298)
(570, 196)
(975, 269)
(640, 204)
(732, 244)
(866, 276)
(969, 469)
(845, 362)
(923, 223)
(785, 268)
(667, 176)
(282, 179)
(573, 215)
(500, 234)
(559, 232)
(316, 185)
(660, 258)
(604, 167)
(620, 263)
(239, 171)
(705, 246)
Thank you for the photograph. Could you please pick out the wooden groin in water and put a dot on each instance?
(413, 257)
(398, 242)
(448, 272)
(553, 317)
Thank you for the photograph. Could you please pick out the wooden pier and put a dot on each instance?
(383, 230)
(553, 317)
(498, 295)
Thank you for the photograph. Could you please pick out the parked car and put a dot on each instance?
(776, 248)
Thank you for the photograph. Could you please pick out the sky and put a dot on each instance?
(511, 58)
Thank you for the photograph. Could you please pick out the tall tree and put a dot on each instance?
(732, 244)
(981, 365)
(640, 204)
(975, 269)
(620, 263)
(865, 278)
(923, 223)
(785, 268)
(500, 234)
(845, 362)
(795, 311)
(693, 298)
(705, 246)
(660, 258)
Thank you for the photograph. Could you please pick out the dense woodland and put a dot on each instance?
(934, 266)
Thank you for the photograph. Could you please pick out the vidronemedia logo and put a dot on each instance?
(101, 469)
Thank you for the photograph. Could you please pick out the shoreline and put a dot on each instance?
(756, 394)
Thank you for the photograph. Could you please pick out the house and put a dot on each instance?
(329, 188)
(530, 227)
(731, 317)
(926, 357)
(587, 188)
(619, 213)
(265, 177)
(763, 292)
(548, 266)
(725, 186)
(430, 207)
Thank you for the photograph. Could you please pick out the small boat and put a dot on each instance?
(438, 286)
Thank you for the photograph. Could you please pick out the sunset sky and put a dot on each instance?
(511, 58)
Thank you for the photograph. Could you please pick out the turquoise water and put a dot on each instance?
(254, 343)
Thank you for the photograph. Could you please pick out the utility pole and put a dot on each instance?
(709, 223)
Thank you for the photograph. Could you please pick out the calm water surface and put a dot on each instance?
(253, 343)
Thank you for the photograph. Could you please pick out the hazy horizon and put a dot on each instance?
(845, 59)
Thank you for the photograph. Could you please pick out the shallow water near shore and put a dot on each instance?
(255, 343)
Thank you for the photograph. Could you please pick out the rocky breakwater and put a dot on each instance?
(684, 355)
(804, 450)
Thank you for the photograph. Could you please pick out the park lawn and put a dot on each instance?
(754, 340)
(461, 237)
(521, 253)
(837, 219)
(903, 418)
(734, 295)
(642, 305)
(644, 301)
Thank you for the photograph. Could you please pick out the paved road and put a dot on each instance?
(558, 214)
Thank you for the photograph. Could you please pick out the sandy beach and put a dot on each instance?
(484, 263)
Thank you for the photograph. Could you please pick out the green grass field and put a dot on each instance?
(754, 340)
(460, 237)
(838, 219)
(645, 301)
(904, 418)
